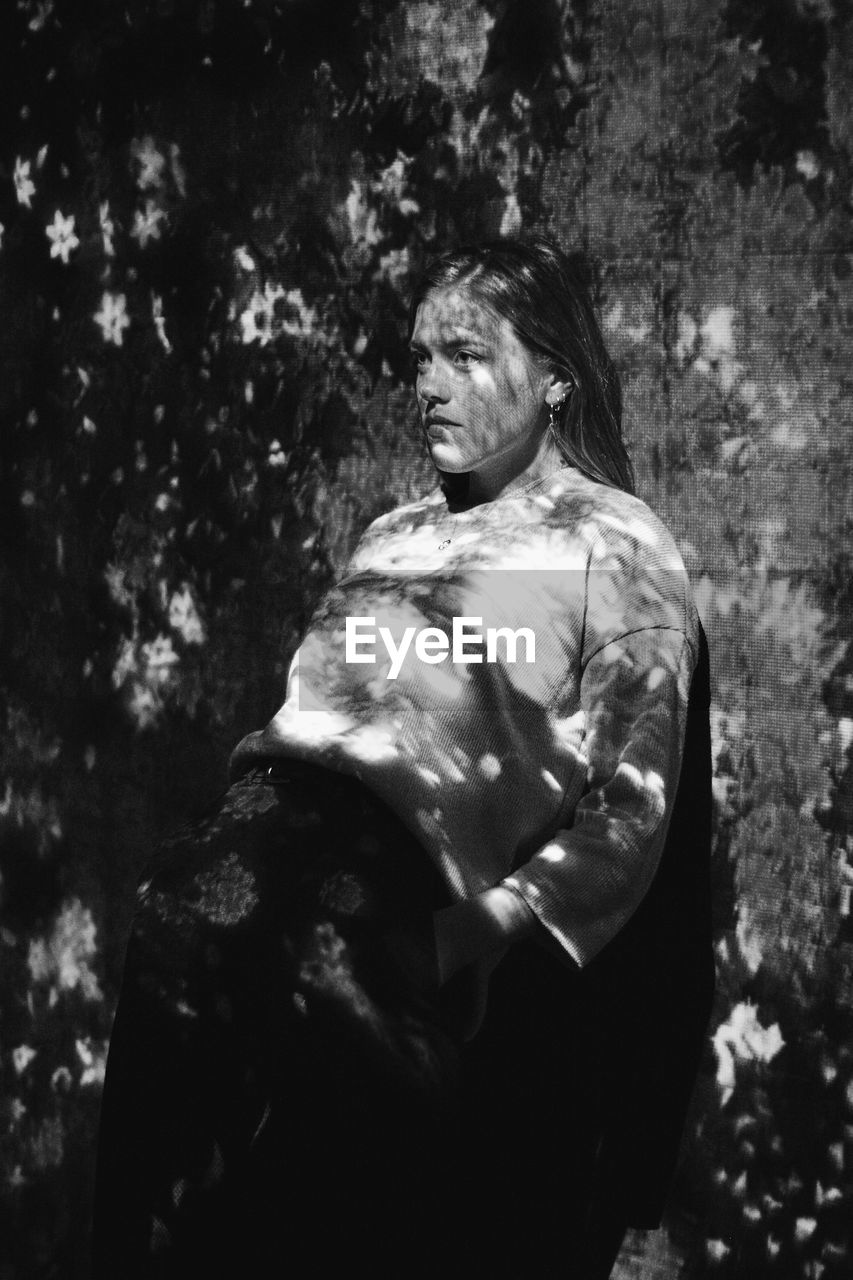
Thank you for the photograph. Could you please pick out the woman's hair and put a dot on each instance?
(544, 294)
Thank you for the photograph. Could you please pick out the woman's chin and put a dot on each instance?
(448, 459)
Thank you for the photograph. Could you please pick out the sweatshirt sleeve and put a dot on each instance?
(586, 882)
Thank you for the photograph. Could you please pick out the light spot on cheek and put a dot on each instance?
(490, 766)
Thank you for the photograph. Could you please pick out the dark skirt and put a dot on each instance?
(287, 1091)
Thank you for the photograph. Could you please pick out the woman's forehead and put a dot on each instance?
(452, 313)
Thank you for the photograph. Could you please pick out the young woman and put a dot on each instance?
(426, 993)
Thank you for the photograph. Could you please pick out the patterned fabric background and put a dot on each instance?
(211, 212)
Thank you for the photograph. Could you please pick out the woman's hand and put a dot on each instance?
(480, 929)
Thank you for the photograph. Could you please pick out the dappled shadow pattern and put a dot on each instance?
(566, 763)
(582, 778)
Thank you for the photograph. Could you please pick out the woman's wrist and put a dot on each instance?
(476, 928)
(510, 916)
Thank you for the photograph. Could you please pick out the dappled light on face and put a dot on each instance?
(452, 772)
(480, 392)
(448, 315)
(489, 766)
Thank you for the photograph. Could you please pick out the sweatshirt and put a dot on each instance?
(512, 679)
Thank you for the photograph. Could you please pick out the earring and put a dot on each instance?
(553, 413)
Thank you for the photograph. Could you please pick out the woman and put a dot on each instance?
(426, 992)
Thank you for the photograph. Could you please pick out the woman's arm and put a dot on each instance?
(586, 882)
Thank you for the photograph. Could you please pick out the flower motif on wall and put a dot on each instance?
(159, 657)
(22, 1057)
(94, 1060)
(150, 162)
(276, 311)
(146, 224)
(63, 240)
(43, 10)
(160, 322)
(395, 266)
(62, 959)
(363, 220)
(108, 228)
(265, 318)
(299, 319)
(25, 188)
(112, 317)
(257, 320)
(184, 617)
(743, 1039)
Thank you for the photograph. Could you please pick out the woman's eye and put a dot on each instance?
(418, 359)
(465, 359)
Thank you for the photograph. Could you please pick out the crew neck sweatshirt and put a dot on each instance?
(530, 730)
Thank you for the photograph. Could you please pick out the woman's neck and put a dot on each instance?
(501, 477)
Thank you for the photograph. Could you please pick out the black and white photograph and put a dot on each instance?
(426, 639)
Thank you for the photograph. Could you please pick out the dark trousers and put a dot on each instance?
(286, 1091)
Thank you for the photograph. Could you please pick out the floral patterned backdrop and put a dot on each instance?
(211, 213)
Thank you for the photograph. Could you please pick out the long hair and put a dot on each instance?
(545, 295)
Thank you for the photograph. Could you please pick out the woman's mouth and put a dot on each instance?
(436, 427)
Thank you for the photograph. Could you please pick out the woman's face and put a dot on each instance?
(481, 395)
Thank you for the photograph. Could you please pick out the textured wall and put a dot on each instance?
(210, 215)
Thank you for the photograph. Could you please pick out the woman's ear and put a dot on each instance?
(560, 387)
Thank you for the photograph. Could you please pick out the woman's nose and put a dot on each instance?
(431, 386)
